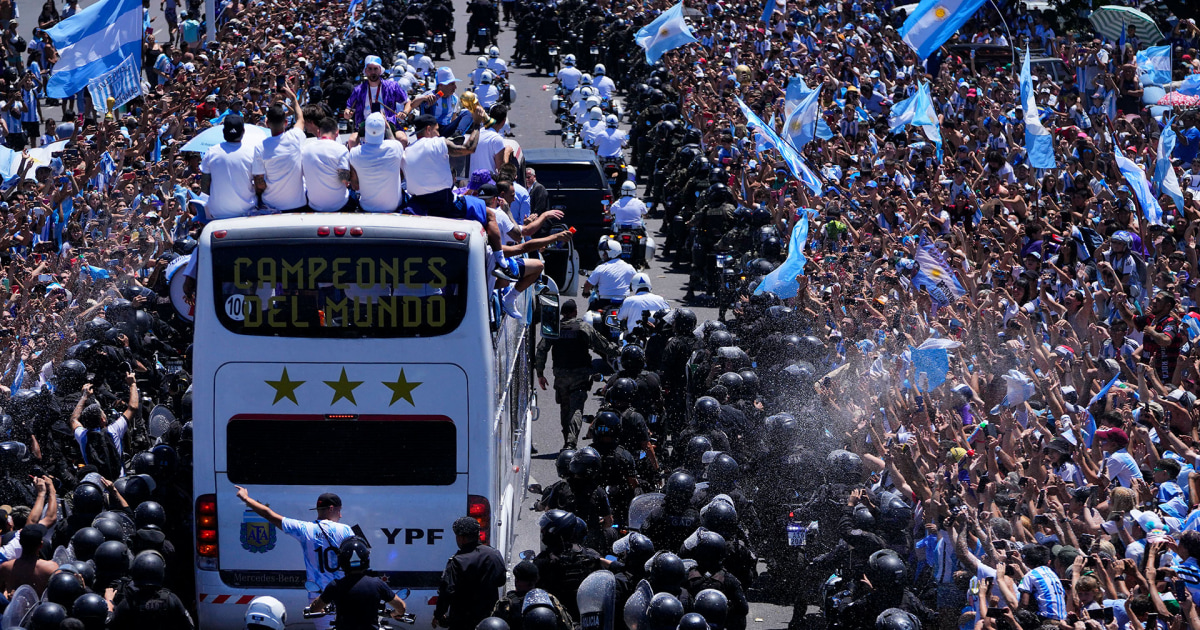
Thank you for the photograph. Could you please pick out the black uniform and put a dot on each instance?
(150, 608)
(725, 582)
(561, 573)
(357, 597)
(470, 586)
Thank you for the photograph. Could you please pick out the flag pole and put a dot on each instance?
(1012, 43)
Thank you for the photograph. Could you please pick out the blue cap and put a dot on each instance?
(872, 184)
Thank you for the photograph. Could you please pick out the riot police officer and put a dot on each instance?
(572, 367)
(564, 563)
(708, 550)
(669, 524)
(146, 604)
(357, 595)
(471, 581)
(711, 221)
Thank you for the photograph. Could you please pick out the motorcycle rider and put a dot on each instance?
(357, 595)
(421, 64)
(481, 66)
(572, 367)
(610, 142)
(579, 111)
(483, 15)
(629, 211)
(568, 75)
(641, 303)
(487, 93)
(708, 550)
(711, 221)
(585, 80)
(497, 65)
(440, 16)
(610, 279)
(593, 126)
(603, 84)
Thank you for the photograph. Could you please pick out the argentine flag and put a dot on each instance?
(801, 125)
(782, 281)
(92, 42)
(790, 155)
(1154, 65)
(1165, 180)
(918, 110)
(935, 21)
(1136, 178)
(667, 32)
(1039, 144)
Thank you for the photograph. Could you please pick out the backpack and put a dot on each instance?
(101, 452)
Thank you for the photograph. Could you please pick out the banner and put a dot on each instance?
(121, 84)
(935, 276)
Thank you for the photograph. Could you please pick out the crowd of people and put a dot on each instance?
(969, 403)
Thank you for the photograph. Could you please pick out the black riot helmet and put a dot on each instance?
(732, 382)
(670, 111)
(70, 375)
(896, 619)
(639, 549)
(562, 463)
(110, 528)
(720, 339)
(749, 383)
(664, 612)
(186, 245)
(557, 525)
(112, 559)
(150, 513)
(607, 424)
(87, 499)
(718, 194)
(886, 570)
(696, 448)
(693, 621)
(63, 587)
(539, 618)
(492, 623)
(95, 329)
(895, 513)
(685, 321)
(720, 517)
(622, 393)
(678, 490)
(723, 471)
(149, 569)
(713, 605)
(666, 571)
(142, 463)
(586, 463)
(707, 409)
(47, 616)
(711, 326)
(772, 248)
(91, 609)
(709, 550)
(166, 460)
(863, 518)
(85, 541)
(811, 348)
(842, 466)
(759, 267)
(633, 359)
(84, 570)
(354, 556)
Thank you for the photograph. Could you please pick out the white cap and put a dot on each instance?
(445, 76)
(376, 128)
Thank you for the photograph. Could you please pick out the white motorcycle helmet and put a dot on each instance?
(481, 63)
(595, 115)
(611, 121)
(486, 77)
(569, 61)
(493, 52)
(586, 79)
(587, 93)
(609, 249)
(600, 70)
(419, 48)
(628, 189)
(640, 282)
(265, 612)
(401, 57)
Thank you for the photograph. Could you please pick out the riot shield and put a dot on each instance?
(63, 555)
(536, 597)
(160, 421)
(22, 603)
(637, 605)
(597, 597)
(641, 506)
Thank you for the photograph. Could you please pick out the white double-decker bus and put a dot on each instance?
(355, 354)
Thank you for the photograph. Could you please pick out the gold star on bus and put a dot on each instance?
(343, 388)
(285, 388)
(401, 389)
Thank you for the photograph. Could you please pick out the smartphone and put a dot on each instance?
(1106, 614)
(995, 613)
(1151, 621)
(1180, 589)
(280, 81)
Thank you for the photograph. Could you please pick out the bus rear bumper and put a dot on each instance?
(222, 607)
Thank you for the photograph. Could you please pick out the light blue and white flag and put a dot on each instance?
(667, 32)
(933, 363)
(1039, 144)
(1154, 65)
(1190, 85)
(796, 89)
(935, 21)
(93, 42)
(761, 143)
(918, 110)
(790, 155)
(801, 125)
(122, 84)
(936, 277)
(767, 11)
(1136, 178)
(782, 281)
(1166, 182)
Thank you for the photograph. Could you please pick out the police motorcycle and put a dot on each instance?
(617, 172)
(438, 44)
(384, 618)
(637, 247)
(602, 312)
(545, 57)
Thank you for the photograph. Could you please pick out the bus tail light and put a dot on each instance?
(479, 509)
(460, 236)
(206, 531)
(356, 231)
(323, 230)
(339, 230)
(220, 233)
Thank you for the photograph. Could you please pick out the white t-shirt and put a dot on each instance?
(232, 192)
(506, 225)
(115, 430)
(378, 170)
(568, 77)
(612, 278)
(628, 211)
(605, 87)
(426, 165)
(278, 159)
(590, 130)
(323, 158)
(484, 157)
(634, 305)
(318, 538)
(488, 95)
(609, 142)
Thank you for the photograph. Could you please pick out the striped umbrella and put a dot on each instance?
(1175, 99)
(1110, 20)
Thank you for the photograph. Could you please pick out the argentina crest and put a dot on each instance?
(257, 535)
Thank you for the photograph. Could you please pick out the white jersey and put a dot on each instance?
(612, 279)
(476, 76)
(498, 66)
(577, 94)
(590, 129)
(579, 110)
(635, 305)
(629, 211)
(605, 87)
(609, 142)
(568, 77)
(320, 541)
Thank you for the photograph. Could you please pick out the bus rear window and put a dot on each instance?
(341, 289)
(317, 451)
(556, 176)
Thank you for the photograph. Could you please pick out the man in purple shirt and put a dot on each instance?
(375, 89)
